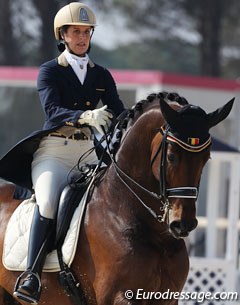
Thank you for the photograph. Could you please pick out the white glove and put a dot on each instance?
(96, 118)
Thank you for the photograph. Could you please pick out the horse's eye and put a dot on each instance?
(171, 158)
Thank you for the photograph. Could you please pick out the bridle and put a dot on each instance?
(190, 192)
(176, 192)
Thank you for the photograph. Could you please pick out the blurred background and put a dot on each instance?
(180, 42)
(180, 38)
(185, 36)
(191, 47)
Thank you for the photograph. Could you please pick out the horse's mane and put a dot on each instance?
(130, 116)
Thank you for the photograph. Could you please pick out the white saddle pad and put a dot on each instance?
(17, 236)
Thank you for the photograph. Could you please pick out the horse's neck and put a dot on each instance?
(134, 154)
(132, 217)
(134, 159)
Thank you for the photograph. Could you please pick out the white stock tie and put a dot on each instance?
(79, 65)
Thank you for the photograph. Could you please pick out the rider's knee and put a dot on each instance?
(47, 210)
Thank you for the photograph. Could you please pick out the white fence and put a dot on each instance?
(217, 270)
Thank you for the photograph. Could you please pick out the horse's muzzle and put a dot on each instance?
(181, 228)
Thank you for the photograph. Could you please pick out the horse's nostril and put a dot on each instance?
(191, 225)
(182, 227)
(175, 225)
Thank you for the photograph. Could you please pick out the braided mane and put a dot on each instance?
(137, 110)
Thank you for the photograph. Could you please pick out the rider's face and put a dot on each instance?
(78, 38)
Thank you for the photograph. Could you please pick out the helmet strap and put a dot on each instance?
(61, 46)
(92, 32)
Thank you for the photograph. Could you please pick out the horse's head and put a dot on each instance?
(179, 153)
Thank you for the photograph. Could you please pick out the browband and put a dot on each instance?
(185, 146)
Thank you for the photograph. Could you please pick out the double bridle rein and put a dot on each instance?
(165, 193)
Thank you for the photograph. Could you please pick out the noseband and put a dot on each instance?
(165, 193)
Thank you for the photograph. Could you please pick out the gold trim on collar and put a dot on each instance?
(91, 63)
(62, 61)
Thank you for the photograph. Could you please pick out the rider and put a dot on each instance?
(70, 88)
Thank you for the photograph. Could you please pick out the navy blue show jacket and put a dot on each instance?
(63, 99)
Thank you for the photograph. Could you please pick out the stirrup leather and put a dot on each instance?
(27, 298)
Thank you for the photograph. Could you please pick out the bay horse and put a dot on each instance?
(131, 240)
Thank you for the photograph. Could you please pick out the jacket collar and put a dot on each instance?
(62, 61)
(66, 70)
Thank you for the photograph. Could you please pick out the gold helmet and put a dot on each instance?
(75, 13)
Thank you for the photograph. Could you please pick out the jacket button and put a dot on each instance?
(69, 123)
(88, 103)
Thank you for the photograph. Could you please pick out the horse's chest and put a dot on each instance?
(157, 268)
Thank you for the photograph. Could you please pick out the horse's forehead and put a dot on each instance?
(192, 113)
(192, 125)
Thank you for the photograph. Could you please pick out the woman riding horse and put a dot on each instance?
(70, 88)
(130, 244)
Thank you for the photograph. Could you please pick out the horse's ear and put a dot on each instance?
(169, 114)
(220, 114)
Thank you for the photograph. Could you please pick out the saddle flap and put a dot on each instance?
(69, 201)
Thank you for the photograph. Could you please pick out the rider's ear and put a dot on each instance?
(220, 114)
